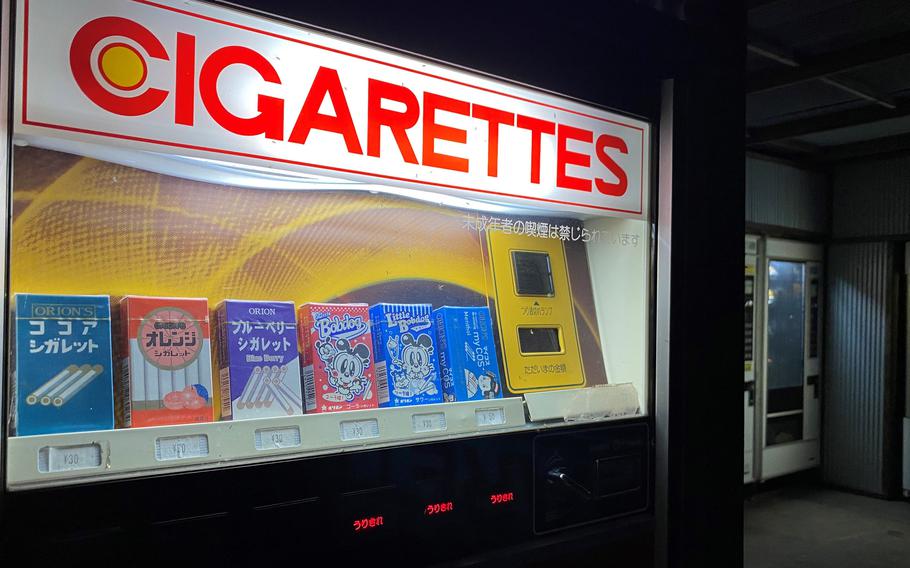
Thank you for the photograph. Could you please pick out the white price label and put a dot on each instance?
(434, 422)
(490, 416)
(181, 447)
(359, 429)
(277, 438)
(52, 459)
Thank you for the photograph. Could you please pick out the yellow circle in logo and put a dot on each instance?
(122, 66)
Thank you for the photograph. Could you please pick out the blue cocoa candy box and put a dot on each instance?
(64, 380)
(404, 343)
(467, 353)
(258, 360)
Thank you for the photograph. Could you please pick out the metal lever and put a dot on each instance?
(560, 475)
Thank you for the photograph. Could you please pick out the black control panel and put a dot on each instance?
(421, 504)
(590, 475)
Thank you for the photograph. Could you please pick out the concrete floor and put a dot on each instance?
(806, 527)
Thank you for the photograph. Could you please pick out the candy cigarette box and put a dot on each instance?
(336, 350)
(166, 362)
(467, 353)
(63, 378)
(404, 344)
(258, 359)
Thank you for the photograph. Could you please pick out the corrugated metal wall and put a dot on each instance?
(872, 198)
(857, 370)
(870, 202)
(786, 196)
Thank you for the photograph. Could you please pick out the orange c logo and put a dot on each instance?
(119, 64)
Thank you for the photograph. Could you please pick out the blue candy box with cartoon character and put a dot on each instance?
(467, 353)
(404, 344)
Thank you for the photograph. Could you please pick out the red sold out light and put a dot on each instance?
(434, 509)
(502, 498)
(367, 523)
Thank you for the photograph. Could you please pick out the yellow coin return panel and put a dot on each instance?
(536, 313)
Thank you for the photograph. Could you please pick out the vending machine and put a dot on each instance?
(276, 290)
(750, 348)
(782, 397)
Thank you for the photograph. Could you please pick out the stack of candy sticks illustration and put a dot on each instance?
(267, 385)
(167, 365)
(152, 383)
(63, 386)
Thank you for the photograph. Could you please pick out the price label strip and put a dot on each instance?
(435, 422)
(53, 459)
(181, 447)
(359, 429)
(490, 416)
(277, 438)
(622, 411)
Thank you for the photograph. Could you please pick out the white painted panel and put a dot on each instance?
(619, 277)
(789, 458)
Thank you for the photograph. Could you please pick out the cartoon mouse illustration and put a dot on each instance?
(345, 369)
(416, 360)
(326, 350)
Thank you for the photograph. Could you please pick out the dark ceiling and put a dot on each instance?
(828, 80)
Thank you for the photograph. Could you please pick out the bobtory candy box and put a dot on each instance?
(404, 345)
(336, 357)
(467, 353)
(166, 362)
(64, 379)
(257, 358)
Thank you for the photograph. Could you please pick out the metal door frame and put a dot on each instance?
(758, 293)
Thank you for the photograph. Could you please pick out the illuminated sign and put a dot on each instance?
(501, 498)
(207, 81)
(438, 508)
(367, 523)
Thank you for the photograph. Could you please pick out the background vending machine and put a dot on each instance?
(786, 279)
(274, 290)
(749, 350)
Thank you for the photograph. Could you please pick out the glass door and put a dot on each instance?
(785, 363)
(791, 355)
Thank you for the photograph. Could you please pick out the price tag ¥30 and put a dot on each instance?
(277, 438)
(359, 429)
(435, 422)
(68, 458)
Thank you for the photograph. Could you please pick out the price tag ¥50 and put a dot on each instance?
(490, 416)
(181, 447)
